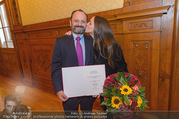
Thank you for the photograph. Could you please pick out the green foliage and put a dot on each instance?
(111, 109)
(145, 100)
(126, 99)
(120, 74)
(136, 81)
(114, 79)
(106, 102)
(144, 104)
(106, 94)
(142, 89)
(142, 94)
(117, 79)
(128, 77)
(123, 81)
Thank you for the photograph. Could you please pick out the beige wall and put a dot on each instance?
(37, 11)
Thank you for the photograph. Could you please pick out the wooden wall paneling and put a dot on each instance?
(24, 59)
(142, 25)
(120, 41)
(41, 52)
(41, 34)
(165, 58)
(41, 56)
(61, 31)
(140, 22)
(40, 46)
(2, 69)
(117, 27)
(134, 5)
(11, 63)
(141, 50)
(174, 88)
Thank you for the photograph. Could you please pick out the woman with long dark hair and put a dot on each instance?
(106, 49)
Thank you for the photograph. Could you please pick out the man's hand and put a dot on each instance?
(61, 95)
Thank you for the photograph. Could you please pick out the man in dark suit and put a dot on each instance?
(66, 54)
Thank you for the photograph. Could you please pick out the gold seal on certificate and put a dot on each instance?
(83, 80)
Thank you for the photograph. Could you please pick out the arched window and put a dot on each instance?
(5, 33)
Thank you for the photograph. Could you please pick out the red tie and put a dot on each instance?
(79, 52)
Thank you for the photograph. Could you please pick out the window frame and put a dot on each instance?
(3, 2)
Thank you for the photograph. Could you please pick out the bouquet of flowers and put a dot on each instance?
(123, 93)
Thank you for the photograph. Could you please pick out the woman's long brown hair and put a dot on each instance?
(104, 42)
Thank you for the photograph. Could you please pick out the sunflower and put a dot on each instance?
(116, 101)
(126, 90)
(139, 101)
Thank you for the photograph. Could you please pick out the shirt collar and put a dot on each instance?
(75, 36)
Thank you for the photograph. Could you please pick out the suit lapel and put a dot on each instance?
(73, 49)
(87, 50)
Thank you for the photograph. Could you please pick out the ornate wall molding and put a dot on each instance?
(14, 13)
(141, 25)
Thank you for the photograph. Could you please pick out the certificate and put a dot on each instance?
(83, 80)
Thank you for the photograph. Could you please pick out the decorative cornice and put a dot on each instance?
(140, 13)
(16, 12)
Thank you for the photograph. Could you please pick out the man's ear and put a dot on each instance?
(70, 22)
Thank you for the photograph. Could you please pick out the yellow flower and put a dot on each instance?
(126, 90)
(139, 101)
(116, 102)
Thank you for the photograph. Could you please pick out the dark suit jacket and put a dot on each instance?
(64, 55)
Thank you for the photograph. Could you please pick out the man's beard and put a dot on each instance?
(78, 31)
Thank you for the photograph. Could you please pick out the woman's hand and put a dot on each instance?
(96, 96)
(68, 33)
